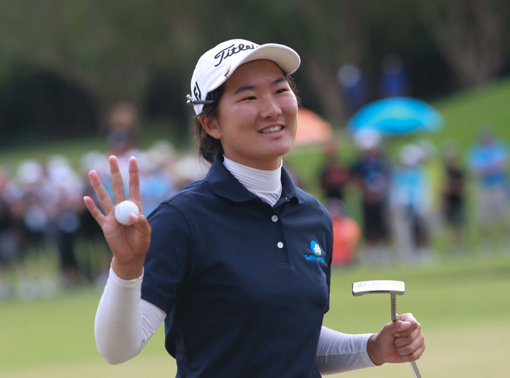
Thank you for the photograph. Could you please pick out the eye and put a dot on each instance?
(282, 90)
(249, 98)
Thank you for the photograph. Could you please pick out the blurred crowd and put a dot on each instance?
(400, 204)
(404, 200)
(42, 210)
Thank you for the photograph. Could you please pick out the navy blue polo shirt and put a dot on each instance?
(245, 285)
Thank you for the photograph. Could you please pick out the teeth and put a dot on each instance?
(271, 129)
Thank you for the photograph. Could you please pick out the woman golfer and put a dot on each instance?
(236, 265)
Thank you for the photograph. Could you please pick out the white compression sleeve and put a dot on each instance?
(124, 322)
(338, 352)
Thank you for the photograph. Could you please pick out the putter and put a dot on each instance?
(393, 288)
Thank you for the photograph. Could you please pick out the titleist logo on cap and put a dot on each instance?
(196, 91)
(232, 50)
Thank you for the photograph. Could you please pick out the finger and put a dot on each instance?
(134, 182)
(408, 328)
(102, 194)
(407, 346)
(417, 355)
(141, 224)
(414, 355)
(93, 209)
(407, 340)
(407, 317)
(119, 193)
(398, 328)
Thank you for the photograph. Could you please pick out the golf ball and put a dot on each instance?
(123, 211)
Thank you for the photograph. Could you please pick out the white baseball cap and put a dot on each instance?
(216, 65)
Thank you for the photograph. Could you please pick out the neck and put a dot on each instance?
(266, 184)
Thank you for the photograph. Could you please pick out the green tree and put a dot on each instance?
(114, 49)
(471, 35)
(109, 49)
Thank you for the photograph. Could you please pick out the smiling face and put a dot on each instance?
(257, 116)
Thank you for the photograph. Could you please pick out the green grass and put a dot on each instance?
(461, 303)
(465, 112)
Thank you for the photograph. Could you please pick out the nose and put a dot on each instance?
(270, 107)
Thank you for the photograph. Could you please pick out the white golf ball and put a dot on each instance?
(123, 211)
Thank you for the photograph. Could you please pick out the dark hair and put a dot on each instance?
(208, 146)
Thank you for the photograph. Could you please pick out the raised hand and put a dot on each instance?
(129, 244)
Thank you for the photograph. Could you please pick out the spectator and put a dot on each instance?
(90, 234)
(335, 174)
(371, 173)
(156, 177)
(123, 128)
(122, 138)
(453, 195)
(488, 161)
(394, 81)
(66, 208)
(32, 187)
(411, 206)
(353, 85)
(8, 245)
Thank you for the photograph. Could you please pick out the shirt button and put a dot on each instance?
(279, 244)
(274, 218)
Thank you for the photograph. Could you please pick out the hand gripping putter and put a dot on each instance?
(393, 288)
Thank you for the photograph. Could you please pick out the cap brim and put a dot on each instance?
(284, 56)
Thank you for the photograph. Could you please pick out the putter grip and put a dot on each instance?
(394, 317)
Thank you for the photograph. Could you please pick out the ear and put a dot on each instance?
(211, 126)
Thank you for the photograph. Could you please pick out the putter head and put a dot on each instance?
(378, 286)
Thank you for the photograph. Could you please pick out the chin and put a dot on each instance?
(280, 150)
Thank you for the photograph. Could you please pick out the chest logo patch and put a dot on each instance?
(317, 252)
(316, 248)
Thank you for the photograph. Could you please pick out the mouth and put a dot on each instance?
(271, 129)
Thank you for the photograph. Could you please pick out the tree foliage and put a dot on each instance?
(113, 50)
(471, 34)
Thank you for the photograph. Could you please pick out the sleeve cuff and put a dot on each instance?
(119, 282)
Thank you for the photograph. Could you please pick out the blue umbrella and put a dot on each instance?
(396, 116)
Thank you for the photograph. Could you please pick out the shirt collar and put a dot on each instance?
(224, 184)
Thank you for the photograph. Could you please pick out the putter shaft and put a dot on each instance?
(394, 317)
(415, 369)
